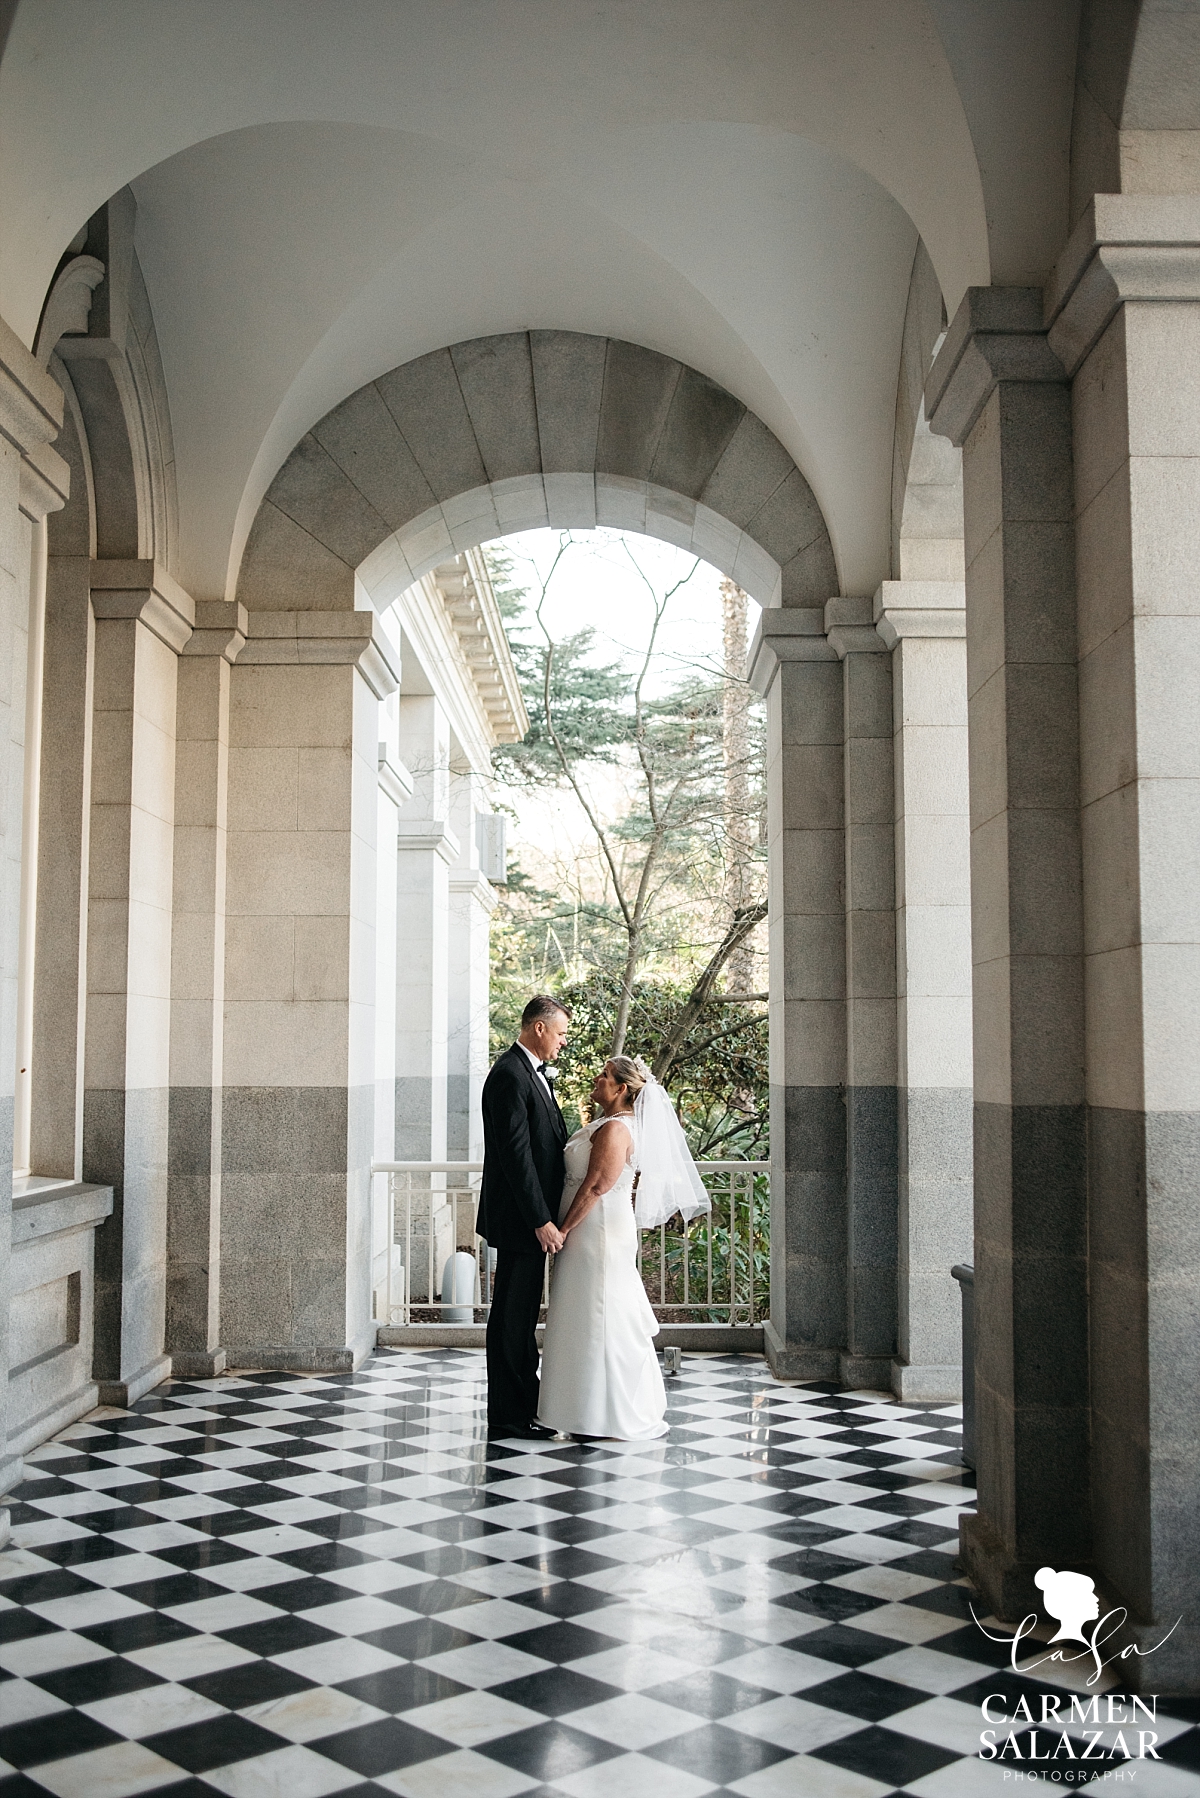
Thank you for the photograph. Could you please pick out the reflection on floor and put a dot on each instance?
(279, 1587)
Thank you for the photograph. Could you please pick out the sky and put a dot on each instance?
(597, 584)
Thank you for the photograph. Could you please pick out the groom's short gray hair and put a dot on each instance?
(542, 1005)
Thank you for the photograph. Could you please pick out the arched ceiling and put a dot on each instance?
(327, 191)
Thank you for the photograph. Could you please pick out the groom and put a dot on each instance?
(523, 1138)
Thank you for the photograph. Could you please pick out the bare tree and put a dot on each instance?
(736, 747)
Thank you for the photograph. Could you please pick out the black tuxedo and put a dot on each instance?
(523, 1139)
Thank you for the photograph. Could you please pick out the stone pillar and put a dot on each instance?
(870, 923)
(197, 990)
(797, 670)
(64, 799)
(33, 481)
(998, 389)
(924, 625)
(298, 1068)
(1124, 306)
(143, 619)
(426, 849)
(472, 902)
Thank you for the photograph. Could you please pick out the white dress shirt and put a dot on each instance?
(537, 1067)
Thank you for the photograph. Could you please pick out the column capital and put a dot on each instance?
(336, 639)
(473, 883)
(786, 634)
(1125, 247)
(850, 628)
(395, 781)
(145, 591)
(31, 401)
(997, 334)
(431, 834)
(920, 609)
(220, 629)
(45, 482)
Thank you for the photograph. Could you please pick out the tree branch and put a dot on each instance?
(669, 1050)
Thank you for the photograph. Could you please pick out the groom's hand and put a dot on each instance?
(550, 1237)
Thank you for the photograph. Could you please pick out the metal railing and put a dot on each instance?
(430, 1265)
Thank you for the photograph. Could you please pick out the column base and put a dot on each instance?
(925, 1385)
(123, 1393)
(1005, 1581)
(865, 1373)
(302, 1358)
(197, 1364)
(792, 1361)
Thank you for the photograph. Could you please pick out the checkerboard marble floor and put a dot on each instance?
(270, 1586)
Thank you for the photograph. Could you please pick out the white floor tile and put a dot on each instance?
(153, 1708)
(463, 1774)
(794, 1724)
(633, 1721)
(309, 1715)
(484, 1664)
(470, 1718)
(121, 1770)
(634, 1776)
(293, 1772)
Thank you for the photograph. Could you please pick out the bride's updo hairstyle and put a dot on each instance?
(630, 1074)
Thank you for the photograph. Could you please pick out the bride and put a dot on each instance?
(600, 1374)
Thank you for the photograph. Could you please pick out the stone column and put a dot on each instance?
(197, 990)
(797, 670)
(33, 481)
(298, 1098)
(143, 619)
(472, 902)
(924, 625)
(998, 389)
(64, 798)
(870, 922)
(426, 848)
(1124, 306)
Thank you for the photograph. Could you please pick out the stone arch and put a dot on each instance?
(1136, 121)
(533, 427)
(927, 517)
(97, 338)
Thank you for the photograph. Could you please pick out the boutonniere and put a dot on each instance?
(551, 1074)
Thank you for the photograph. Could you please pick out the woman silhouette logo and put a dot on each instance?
(1070, 1598)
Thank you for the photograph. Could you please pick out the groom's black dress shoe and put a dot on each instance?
(523, 1432)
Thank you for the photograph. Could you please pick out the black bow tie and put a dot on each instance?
(542, 1066)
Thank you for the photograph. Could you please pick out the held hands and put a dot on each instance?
(550, 1237)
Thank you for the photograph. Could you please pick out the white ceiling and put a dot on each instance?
(327, 190)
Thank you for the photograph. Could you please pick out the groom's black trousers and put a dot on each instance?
(512, 1352)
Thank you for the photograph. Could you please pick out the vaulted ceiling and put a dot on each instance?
(325, 191)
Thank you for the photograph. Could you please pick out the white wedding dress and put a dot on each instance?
(600, 1374)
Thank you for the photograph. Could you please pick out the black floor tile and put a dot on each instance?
(402, 1688)
(560, 1641)
(253, 1682)
(146, 1629)
(214, 1743)
(716, 1753)
(52, 1738)
(278, 1635)
(549, 1751)
(382, 1747)
(885, 1755)
(420, 1638)
(555, 1691)
(865, 1695)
